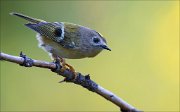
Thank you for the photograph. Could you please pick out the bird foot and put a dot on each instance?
(58, 66)
(67, 79)
(28, 62)
(66, 66)
(61, 66)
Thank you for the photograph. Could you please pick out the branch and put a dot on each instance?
(84, 81)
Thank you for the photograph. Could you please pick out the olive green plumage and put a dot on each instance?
(66, 40)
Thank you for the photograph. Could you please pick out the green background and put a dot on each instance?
(142, 68)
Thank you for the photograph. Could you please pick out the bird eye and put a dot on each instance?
(96, 40)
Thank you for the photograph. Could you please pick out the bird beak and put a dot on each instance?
(105, 47)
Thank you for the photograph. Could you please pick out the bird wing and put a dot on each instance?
(67, 36)
(54, 31)
(50, 30)
(72, 36)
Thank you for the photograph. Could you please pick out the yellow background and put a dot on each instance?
(142, 68)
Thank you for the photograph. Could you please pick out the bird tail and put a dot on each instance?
(30, 19)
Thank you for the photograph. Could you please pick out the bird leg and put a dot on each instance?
(59, 59)
(71, 69)
(67, 66)
(64, 65)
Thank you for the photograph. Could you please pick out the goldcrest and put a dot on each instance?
(66, 40)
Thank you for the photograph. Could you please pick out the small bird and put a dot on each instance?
(66, 40)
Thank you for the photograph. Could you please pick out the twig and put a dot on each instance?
(84, 81)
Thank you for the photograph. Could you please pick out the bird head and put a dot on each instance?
(98, 41)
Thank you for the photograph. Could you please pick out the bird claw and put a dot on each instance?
(67, 79)
(64, 80)
(58, 66)
(28, 62)
(62, 66)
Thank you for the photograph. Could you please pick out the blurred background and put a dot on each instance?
(142, 68)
